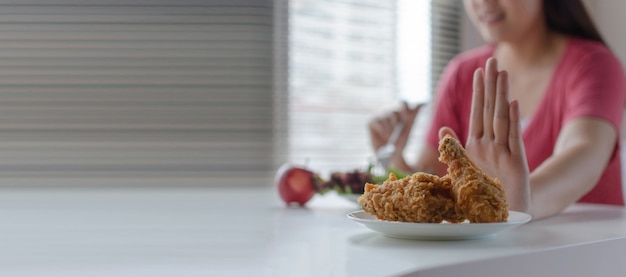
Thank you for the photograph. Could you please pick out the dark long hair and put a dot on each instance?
(570, 17)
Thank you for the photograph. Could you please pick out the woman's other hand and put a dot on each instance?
(381, 127)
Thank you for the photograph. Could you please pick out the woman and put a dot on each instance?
(555, 144)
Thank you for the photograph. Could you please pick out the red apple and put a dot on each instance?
(295, 184)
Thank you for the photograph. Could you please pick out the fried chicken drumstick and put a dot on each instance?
(478, 197)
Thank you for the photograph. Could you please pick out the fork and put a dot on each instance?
(384, 153)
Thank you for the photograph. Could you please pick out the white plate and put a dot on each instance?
(436, 231)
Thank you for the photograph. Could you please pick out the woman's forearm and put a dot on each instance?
(574, 169)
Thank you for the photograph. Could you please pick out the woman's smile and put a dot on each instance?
(491, 18)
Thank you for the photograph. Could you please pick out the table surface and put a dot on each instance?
(243, 232)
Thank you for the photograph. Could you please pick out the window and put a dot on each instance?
(132, 90)
(196, 92)
(351, 59)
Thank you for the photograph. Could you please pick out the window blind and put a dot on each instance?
(136, 89)
(445, 34)
(343, 69)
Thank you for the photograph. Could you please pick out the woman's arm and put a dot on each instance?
(582, 151)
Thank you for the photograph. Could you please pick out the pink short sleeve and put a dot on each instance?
(597, 87)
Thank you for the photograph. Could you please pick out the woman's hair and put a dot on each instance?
(570, 17)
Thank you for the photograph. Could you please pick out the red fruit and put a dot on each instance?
(295, 184)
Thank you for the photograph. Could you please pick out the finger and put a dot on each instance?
(405, 112)
(476, 115)
(409, 116)
(395, 118)
(491, 72)
(415, 110)
(377, 133)
(445, 130)
(405, 106)
(377, 129)
(383, 125)
(501, 114)
(516, 143)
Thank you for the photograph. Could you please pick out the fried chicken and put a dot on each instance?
(478, 197)
(420, 197)
(465, 193)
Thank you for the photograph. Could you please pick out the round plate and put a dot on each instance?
(437, 231)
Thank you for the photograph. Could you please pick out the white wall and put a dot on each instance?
(608, 15)
(610, 19)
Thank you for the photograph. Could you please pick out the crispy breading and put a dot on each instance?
(420, 197)
(478, 197)
(465, 193)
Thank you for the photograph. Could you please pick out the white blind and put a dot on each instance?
(341, 68)
(344, 68)
(136, 88)
(446, 35)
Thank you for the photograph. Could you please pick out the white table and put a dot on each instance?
(249, 232)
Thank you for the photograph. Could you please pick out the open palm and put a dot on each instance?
(494, 141)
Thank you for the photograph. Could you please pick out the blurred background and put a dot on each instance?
(215, 93)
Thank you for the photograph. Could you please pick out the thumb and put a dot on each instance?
(412, 111)
(417, 107)
(445, 130)
(408, 114)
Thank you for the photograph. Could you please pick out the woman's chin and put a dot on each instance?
(493, 37)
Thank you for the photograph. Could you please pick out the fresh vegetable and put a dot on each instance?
(379, 179)
(297, 184)
(347, 182)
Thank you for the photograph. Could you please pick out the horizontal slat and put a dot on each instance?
(131, 53)
(138, 87)
(144, 9)
(343, 66)
(153, 27)
(112, 45)
(131, 62)
(128, 3)
(135, 19)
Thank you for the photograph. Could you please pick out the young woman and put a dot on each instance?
(557, 142)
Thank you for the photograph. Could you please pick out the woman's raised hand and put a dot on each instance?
(495, 141)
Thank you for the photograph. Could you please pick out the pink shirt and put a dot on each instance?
(589, 81)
